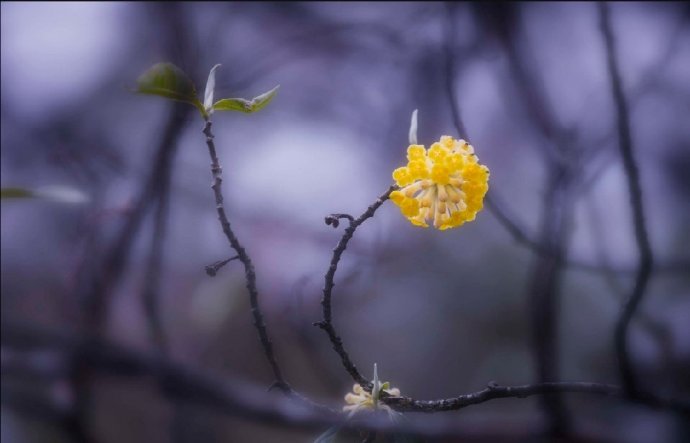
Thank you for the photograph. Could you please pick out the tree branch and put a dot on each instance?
(633, 178)
(250, 275)
(327, 323)
(493, 391)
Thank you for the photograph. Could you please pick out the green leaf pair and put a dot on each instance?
(169, 81)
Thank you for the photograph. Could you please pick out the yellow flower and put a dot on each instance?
(443, 186)
(362, 399)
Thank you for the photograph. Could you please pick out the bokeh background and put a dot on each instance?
(442, 313)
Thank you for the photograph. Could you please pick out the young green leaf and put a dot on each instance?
(233, 104)
(169, 81)
(244, 105)
(210, 87)
(260, 101)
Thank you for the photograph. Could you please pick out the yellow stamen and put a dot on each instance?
(442, 194)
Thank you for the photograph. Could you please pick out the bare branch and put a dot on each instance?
(327, 324)
(250, 275)
(493, 391)
(633, 178)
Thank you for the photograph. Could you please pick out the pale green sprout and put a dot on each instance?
(210, 87)
(413, 128)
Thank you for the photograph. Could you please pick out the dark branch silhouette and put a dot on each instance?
(250, 275)
(632, 174)
(493, 391)
(327, 323)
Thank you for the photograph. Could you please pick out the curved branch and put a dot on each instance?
(632, 174)
(327, 323)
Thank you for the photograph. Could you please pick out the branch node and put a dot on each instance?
(334, 219)
(207, 130)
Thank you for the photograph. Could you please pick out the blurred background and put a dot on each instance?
(529, 291)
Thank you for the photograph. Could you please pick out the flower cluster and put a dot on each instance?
(443, 186)
(362, 399)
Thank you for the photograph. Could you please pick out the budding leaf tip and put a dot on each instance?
(413, 128)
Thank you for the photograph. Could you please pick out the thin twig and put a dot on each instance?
(633, 178)
(327, 322)
(493, 391)
(213, 268)
(250, 275)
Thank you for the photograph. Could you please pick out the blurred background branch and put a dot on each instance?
(632, 173)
